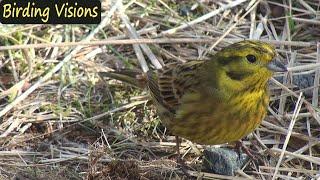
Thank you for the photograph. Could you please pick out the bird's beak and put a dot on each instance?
(276, 66)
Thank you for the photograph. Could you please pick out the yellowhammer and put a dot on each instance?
(216, 101)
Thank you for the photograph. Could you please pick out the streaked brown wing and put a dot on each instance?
(168, 85)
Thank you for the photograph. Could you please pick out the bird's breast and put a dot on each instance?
(212, 120)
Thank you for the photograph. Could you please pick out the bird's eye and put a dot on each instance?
(251, 58)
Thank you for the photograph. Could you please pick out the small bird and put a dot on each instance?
(216, 101)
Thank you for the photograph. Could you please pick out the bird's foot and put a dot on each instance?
(183, 166)
(254, 155)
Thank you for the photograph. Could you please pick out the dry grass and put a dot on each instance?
(60, 120)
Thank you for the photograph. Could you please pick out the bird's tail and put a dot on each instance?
(132, 77)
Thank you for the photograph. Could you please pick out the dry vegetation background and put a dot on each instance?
(60, 120)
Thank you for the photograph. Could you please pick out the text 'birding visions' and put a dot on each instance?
(50, 11)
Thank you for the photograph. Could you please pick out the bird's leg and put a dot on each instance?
(184, 167)
(179, 159)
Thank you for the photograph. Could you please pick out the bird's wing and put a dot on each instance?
(168, 85)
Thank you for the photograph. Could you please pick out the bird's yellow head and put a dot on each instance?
(247, 58)
(246, 63)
